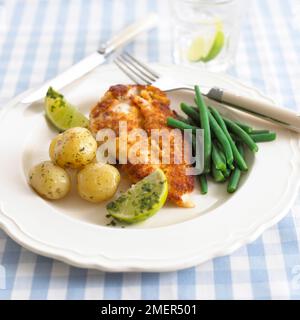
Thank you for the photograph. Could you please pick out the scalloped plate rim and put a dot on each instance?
(16, 233)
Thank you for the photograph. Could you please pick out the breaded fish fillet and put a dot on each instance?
(144, 107)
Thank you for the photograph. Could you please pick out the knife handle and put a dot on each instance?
(129, 33)
(267, 111)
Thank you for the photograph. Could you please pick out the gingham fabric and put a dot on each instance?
(39, 39)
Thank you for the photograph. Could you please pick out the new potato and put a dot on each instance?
(97, 182)
(49, 181)
(74, 148)
(53, 145)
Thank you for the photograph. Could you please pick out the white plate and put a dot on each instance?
(75, 231)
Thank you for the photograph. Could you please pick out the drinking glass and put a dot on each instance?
(206, 32)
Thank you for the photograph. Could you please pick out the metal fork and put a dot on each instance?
(140, 73)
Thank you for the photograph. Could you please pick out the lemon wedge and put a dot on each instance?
(142, 200)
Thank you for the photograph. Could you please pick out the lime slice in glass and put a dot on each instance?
(142, 200)
(198, 49)
(61, 113)
(216, 47)
(207, 48)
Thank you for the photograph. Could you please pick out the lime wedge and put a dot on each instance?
(142, 200)
(61, 113)
(216, 47)
(207, 48)
(198, 49)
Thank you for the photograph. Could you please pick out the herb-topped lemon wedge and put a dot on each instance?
(142, 200)
(61, 113)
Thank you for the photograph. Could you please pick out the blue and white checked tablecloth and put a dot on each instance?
(38, 39)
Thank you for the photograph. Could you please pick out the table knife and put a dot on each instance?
(267, 111)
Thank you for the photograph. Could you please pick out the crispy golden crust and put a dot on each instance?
(144, 107)
(103, 114)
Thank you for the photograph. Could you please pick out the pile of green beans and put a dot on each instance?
(224, 142)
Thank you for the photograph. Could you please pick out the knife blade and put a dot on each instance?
(93, 60)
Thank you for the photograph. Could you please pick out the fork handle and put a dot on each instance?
(267, 111)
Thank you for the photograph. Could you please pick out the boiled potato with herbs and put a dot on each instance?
(49, 181)
(53, 145)
(74, 148)
(97, 182)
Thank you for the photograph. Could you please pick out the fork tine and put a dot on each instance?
(133, 70)
(136, 70)
(142, 66)
(138, 67)
(128, 73)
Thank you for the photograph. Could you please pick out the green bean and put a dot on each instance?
(205, 125)
(195, 100)
(203, 183)
(222, 155)
(238, 131)
(220, 135)
(185, 120)
(181, 118)
(179, 124)
(241, 149)
(217, 174)
(195, 108)
(259, 131)
(226, 173)
(234, 180)
(217, 158)
(259, 137)
(220, 148)
(263, 137)
(237, 156)
(190, 112)
(236, 175)
(245, 127)
(192, 122)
